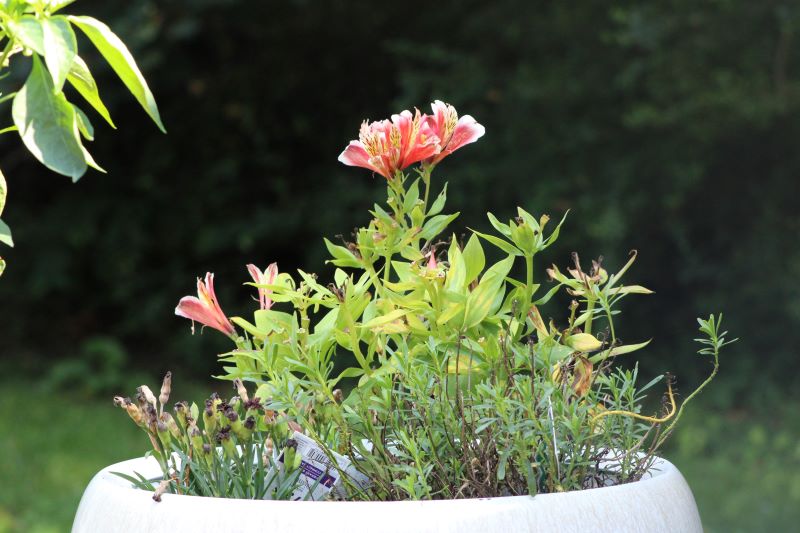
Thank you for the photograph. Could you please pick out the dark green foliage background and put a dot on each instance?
(671, 127)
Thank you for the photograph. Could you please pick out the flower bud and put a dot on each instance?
(583, 342)
(166, 389)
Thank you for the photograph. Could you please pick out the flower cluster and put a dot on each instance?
(460, 384)
(388, 146)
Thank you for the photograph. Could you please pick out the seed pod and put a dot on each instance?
(236, 424)
(166, 389)
(196, 438)
(207, 454)
(290, 457)
(145, 396)
(209, 418)
(150, 416)
(160, 490)
(269, 447)
(247, 429)
(172, 426)
(224, 438)
(119, 401)
(136, 414)
(164, 434)
(181, 413)
(241, 390)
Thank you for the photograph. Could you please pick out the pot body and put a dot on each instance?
(660, 502)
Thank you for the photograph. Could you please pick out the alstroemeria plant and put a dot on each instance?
(425, 362)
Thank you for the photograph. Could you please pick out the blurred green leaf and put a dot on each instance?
(3, 192)
(5, 234)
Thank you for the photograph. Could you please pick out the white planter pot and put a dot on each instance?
(661, 502)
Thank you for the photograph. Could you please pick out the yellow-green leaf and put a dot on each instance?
(81, 78)
(583, 342)
(119, 57)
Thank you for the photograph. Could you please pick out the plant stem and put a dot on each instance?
(689, 398)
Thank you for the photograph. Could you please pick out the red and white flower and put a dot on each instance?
(388, 146)
(264, 278)
(453, 132)
(204, 308)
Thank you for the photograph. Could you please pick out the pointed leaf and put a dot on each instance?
(121, 60)
(435, 225)
(5, 234)
(60, 48)
(438, 204)
(474, 258)
(46, 123)
(507, 247)
(3, 192)
(481, 300)
(28, 31)
(80, 78)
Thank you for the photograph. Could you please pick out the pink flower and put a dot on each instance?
(205, 308)
(388, 146)
(453, 132)
(264, 278)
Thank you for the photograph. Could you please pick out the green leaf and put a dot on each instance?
(121, 60)
(28, 31)
(48, 124)
(435, 225)
(481, 300)
(452, 311)
(351, 372)
(385, 319)
(438, 204)
(60, 48)
(3, 192)
(249, 328)
(499, 226)
(618, 350)
(5, 234)
(84, 125)
(55, 5)
(507, 247)
(474, 258)
(342, 257)
(457, 271)
(411, 197)
(80, 78)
